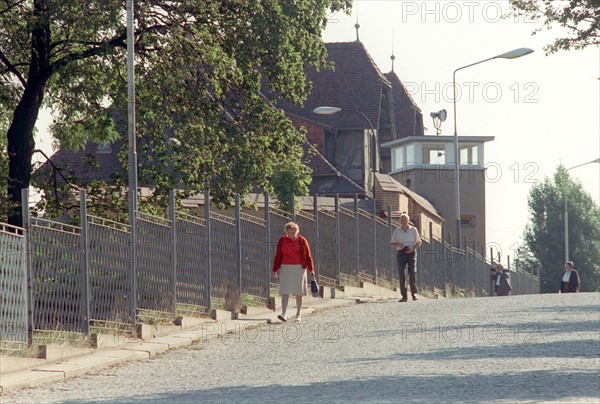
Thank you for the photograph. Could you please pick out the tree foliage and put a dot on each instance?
(580, 18)
(199, 70)
(544, 241)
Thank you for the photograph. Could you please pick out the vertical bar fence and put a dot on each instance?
(81, 277)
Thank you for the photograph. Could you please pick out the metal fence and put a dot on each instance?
(85, 276)
(13, 285)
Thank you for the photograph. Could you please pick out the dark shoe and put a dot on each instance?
(414, 297)
(404, 299)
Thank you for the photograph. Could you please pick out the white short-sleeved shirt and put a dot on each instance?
(408, 238)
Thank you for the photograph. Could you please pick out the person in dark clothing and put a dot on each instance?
(570, 279)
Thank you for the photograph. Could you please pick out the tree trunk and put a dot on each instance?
(20, 133)
(20, 148)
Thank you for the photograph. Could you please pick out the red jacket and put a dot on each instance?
(305, 256)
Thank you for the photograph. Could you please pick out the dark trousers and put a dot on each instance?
(564, 287)
(409, 260)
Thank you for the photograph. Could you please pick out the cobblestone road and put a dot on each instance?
(518, 349)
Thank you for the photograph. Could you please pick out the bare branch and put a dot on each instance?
(11, 68)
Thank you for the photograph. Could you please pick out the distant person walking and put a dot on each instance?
(502, 281)
(570, 279)
(292, 260)
(406, 240)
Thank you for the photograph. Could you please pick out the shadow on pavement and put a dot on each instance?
(476, 388)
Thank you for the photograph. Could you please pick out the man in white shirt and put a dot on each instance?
(406, 240)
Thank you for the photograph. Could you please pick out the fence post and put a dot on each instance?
(357, 233)
(133, 262)
(483, 269)
(445, 257)
(465, 256)
(293, 207)
(392, 250)
(28, 258)
(316, 258)
(208, 248)
(338, 265)
(84, 263)
(173, 250)
(492, 288)
(374, 217)
(268, 246)
(238, 243)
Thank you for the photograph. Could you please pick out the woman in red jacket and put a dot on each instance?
(292, 260)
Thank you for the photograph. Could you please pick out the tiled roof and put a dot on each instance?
(405, 108)
(390, 184)
(326, 178)
(355, 85)
(79, 163)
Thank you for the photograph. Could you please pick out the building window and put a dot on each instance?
(467, 220)
(403, 157)
(469, 155)
(407, 182)
(434, 154)
(410, 154)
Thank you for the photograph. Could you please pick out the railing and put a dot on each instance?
(81, 276)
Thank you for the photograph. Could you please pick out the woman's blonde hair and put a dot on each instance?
(291, 225)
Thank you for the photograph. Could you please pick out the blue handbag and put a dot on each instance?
(314, 288)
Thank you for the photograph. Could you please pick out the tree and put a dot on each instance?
(544, 234)
(581, 19)
(199, 68)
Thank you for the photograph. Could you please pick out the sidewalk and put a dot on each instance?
(67, 362)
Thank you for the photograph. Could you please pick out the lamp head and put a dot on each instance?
(441, 115)
(326, 110)
(438, 118)
(513, 54)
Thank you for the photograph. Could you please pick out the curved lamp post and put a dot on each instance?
(517, 53)
(334, 110)
(567, 214)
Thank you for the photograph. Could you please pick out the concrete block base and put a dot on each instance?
(222, 315)
(146, 331)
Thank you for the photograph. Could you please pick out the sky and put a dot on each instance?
(542, 110)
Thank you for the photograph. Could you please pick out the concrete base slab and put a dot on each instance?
(110, 340)
(188, 323)
(353, 291)
(28, 378)
(376, 290)
(147, 331)
(255, 310)
(55, 353)
(80, 366)
(150, 347)
(328, 292)
(221, 315)
(11, 364)
(174, 341)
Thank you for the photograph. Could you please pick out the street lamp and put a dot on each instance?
(335, 110)
(566, 212)
(132, 160)
(517, 53)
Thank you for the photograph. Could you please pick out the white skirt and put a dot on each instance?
(293, 280)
